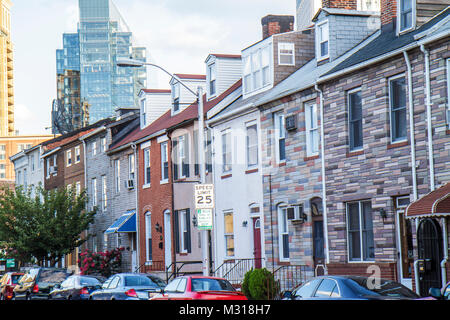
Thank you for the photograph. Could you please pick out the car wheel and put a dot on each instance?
(28, 297)
(69, 298)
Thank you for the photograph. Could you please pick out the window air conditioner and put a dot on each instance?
(296, 214)
(129, 184)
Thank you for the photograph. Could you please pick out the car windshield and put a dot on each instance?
(53, 276)
(138, 281)
(86, 281)
(15, 278)
(159, 282)
(206, 284)
(380, 287)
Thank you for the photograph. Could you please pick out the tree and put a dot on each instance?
(45, 226)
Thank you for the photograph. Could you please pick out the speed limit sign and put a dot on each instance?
(204, 196)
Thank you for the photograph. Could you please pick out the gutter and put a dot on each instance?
(50, 152)
(445, 260)
(238, 112)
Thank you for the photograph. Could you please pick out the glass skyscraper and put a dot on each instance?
(103, 38)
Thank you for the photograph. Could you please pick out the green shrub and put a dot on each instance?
(259, 284)
(244, 287)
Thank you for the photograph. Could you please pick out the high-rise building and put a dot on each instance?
(103, 37)
(6, 72)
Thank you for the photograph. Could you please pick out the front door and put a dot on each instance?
(167, 239)
(257, 242)
(404, 242)
(429, 244)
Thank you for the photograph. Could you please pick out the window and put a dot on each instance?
(283, 233)
(148, 235)
(2, 152)
(212, 79)
(77, 154)
(280, 137)
(368, 5)
(69, 158)
(176, 97)
(33, 162)
(252, 145)
(256, 71)
(94, 148)
(117, 175)
(286, 54)
(226, 151)
(312, 129)
(306, 290)
(104, 194)
(103, 144)
(322, 41)
(94, 192)
(355, 120)
(78, 188)
(360, 231)
(182, 219)
(147, 166)
(131, 167)
(406, 14)
(327, 288)
(397, 99)
(25, 179)
(164, 162)
(229, 234)
(143, 113)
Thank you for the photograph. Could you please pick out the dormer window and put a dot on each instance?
(256, 73)
(322, 41)
(143, 113)
(175, 97)
(406, 15)
(286, 54)
(212, 79)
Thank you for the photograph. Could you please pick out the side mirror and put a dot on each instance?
(435, 293)
(287, 295)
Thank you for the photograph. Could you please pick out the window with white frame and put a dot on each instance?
(105, 241)
(212, 79)
(94, 192)
(2, 152)
(280, 137)
(78, 188)
(176, 97)
(312, 129)
(103, 144)
(283, 233)
(286, 54)
(184, 231)
(226, 151)
(117, 175)
(77, 154)
(104, 193)
(147, 176)
(229, 234)
(33, 162)
(406, 14)
(256, 71)
(322, 40)
(355, 119)
(131, 167)
(94, 147)
(397, 101)
(68, 158)
(148, 236)
(143, 113)
(252, 144)
(360, 231)
(447, 109)
(164, 161)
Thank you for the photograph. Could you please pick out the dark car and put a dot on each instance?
(76, 287)
(350, 288)
(439, 294)
(7, 284)
(37, 283)
(129, 286)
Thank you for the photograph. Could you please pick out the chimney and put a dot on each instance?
(340, 4)
(388, 10)
(272, 24)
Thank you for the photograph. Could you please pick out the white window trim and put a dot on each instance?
(69, 158)
(117, 175)
(348, 119)
(308, 128)
(183, 225)
(104, 193)
(361, 247)
(77, 153)
(94, 148)
(247, 92)
(131, 167)
(282, 215)
(148, 234)
(447, 109)
(413, 13)
(228, 212)
(212, 66)
(147, 184)
(390, 109)
(292, 47)
(277, 137)
(327, 56)
(164, 144)
(229, 149)
(176, 93)
(248, 125)
(94, 192)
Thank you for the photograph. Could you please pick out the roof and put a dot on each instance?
(191, 76)
(156, 90)
(435, 203)
(388, 42)
(166, 121)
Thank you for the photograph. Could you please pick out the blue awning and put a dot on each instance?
(126, 223)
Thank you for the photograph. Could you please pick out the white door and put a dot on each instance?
(167, 239)
(134, 265)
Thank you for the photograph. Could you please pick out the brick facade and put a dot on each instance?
(340, 4)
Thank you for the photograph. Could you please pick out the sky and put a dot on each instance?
(178, 35)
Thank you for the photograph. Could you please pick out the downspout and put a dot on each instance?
(216, 259)
(445, 260)
(138, 255)
(413, 152)
(324, 193)
(85, 184)
(428, 105)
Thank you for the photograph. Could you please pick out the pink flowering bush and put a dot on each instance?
(100, 263)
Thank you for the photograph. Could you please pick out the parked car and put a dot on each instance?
(199, 288)
(76, 287)
(350, 288)
(7, 284)
(439, 294)
(37, 283)
(128, 286)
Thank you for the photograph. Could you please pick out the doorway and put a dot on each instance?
(318, 236)
(257, 242)
(429, 245)
(167, 239)
(405, 248)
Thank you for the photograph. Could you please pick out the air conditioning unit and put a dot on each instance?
(296, 214)
(129, 184)
(53, 169)
(291, 123)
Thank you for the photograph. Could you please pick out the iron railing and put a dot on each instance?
(235, 270)
(175, 269)
(289, 277)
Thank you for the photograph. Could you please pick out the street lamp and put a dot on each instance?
(201, 136)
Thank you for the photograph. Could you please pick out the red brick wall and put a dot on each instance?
(156, 199)
(388, 11)
(272, 24)
(340, 4)
(388, 270)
